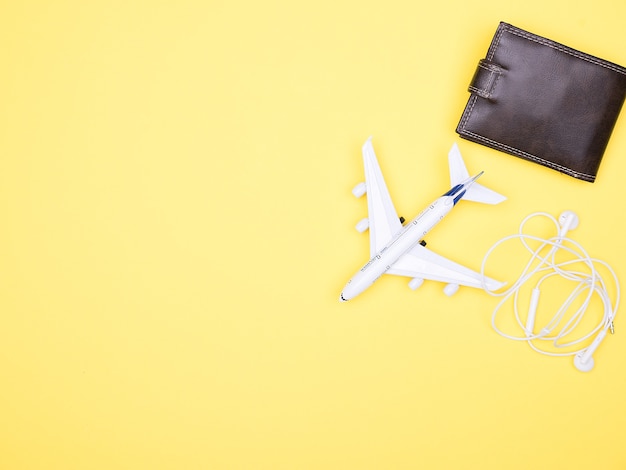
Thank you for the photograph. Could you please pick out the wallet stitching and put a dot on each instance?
(566, 50)
(534, 158)
(495, 44)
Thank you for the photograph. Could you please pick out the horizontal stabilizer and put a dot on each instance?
(476, 192)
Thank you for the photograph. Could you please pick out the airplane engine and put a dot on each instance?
(362, 225)
(359, 190)
(416, 282)
(450, 289)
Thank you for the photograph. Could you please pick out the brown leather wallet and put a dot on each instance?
(545, 102)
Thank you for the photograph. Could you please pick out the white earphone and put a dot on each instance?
(577, 267)
(583, 360)
(568, 220)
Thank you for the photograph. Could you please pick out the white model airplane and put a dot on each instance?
(399, 249)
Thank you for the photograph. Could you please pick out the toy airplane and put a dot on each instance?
(397, 249)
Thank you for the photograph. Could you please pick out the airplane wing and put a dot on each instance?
(422, 263)
(383, 218)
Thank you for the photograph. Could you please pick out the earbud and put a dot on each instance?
(584, 360)
(568, 221)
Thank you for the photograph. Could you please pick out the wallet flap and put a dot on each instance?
(485, 79)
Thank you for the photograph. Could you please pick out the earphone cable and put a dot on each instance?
(586, 285)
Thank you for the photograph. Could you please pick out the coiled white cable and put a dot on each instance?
(587, 282)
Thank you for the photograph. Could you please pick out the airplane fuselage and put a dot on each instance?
(410, 235)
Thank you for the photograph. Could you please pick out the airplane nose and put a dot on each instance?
(341, 298)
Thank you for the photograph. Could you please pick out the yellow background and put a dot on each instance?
(177, 225)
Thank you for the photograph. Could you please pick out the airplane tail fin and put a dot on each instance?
(476, 192)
